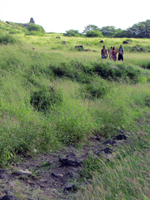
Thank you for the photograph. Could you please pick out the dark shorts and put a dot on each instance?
(120, 57)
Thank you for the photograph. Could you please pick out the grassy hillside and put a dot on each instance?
(52, 95)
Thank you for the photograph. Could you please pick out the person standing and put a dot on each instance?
(114, 54)
(104, 53)
(110, 53)
(121, 52)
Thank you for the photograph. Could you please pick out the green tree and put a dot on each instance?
(140, 30)
(91, 28)
(94, 34)
(108, 31)
(73, 33)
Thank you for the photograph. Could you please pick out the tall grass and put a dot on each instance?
(94, 97)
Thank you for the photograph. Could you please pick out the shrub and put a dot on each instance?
(94, 34)
(96, 89)
(45, 98)
(35, 30)
(74, 123)
(7, 39)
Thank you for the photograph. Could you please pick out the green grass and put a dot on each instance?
(91, 96)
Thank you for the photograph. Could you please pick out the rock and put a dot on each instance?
(11, 184)
(94, 51)
(7, 22)
(69, 162)
(120, 137)
(142, 49)
(80, 47)
(101, 41)
(22, 172)
(4, 176)
(69, 186)
(87, 50)
(32, 21)
(95, 138)
(58, 37)
(43, 180)
(9, 197)
(111, 142)
(64, 42)
(107, 150)
(3, 171)
(60, 177)
(56, 175)
(104, 151)
(125, 42)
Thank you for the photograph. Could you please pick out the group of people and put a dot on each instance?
(112, 52)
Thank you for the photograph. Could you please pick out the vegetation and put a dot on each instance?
(53, 95)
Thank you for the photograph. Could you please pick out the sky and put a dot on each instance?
(62, 15)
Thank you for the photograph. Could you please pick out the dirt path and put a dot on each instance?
(54, 175)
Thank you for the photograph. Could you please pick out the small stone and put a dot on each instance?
(22, 172)
(69, 186)
(9, 197)
(43, 180)
(11, 184)
(69, 162)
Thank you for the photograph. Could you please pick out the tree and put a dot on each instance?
(108, 31)
(91, 28)
(73, 33)
(140, 30)
(94, 34)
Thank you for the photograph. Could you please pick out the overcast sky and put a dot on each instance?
(62, 15)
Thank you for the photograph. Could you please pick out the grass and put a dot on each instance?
(93, 98)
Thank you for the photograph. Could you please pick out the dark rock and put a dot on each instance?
(111, 142)
(95, 138)
(43, 180)
(64, 42)
(142, 49)
(55, 175)
(7, 22)
(32, 20)
(87, 50)
(101, 41)
(69, 186)
(58, 176)
(107, 150)
(58, 37)
(11, 184)
(120, 137)
(9, 197)
(94, 51)
(3, 171)
(125, 42)
(80, 47)
(69, 162)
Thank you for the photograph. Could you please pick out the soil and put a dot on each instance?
(55, 175)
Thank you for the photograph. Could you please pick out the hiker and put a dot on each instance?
(114, 54)
(121, 52)
(110, 52)
(104, 53)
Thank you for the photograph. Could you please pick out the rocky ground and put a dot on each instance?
(55, 175)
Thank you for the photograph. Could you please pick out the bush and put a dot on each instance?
(35, 30)
(94, 34)
(73, 33)
(44, 99)
(96, 89)
(73, 123)
(7, 39)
